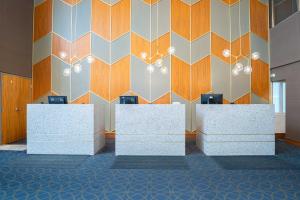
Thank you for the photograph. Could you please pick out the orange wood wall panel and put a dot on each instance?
(159, 47)
(100, 75)
(201, 78)
(72, 2)
(82, 47)
(16, 94)
(260, 84)
(200, 18)
(139, 45)
(180, 78)
(225, 101)
(230, 2)
(141, 100)
(101, 19)
(85, 99)
(218, 44)
(61, 45)
(41, 78)
(24, 98)
(244, 99)
(180, 18)
(42, 20)
(120, 78)
(165, 99)
(259, 19)
(120, 19)
(241, 46)
(151, 1)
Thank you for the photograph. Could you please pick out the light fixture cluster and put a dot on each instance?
(159, 62)
(239, 67)
(77, 67)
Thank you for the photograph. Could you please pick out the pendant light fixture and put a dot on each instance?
(239, 67)
(73, 59)
(157, 60)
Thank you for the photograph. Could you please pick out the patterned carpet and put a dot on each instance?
(93, 177)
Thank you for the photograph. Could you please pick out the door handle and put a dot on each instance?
(18, 109)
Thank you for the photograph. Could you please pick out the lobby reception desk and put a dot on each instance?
(150, 130)
(73, 129)
(236, 129)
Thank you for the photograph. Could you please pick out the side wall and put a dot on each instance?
(116, 32)
(16, 37)
(285, 63)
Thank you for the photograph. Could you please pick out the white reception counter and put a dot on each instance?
(150, 129)
(236, 129)
(65, 129)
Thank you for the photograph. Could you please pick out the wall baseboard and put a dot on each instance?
(279, 136)
(292, 142)
(191, 135)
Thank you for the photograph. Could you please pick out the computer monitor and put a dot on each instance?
(57, 100)
(211, 98)
(129, 100)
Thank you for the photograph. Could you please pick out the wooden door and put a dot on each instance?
(16, 94)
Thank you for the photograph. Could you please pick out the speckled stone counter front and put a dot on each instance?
(150, 130)
(64, 129)
(236, 129)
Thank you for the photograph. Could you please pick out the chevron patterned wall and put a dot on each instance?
(115, 32)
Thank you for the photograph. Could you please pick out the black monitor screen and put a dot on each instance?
(57, 100)
(128, 100)
(211, 98)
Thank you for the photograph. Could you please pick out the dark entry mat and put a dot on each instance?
(254, 162)
(150, 162)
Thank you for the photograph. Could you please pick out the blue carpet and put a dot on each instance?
(150, 162)
(93, 178)
(47, 161)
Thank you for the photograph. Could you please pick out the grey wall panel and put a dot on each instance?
(41, 49)
(101, 103)
(188, 115)
(62, 14)
(200, 48)
(80, 82)
(160, 83)
(291, 74)
(120, 48)
(60, 83)
(140, 18)
(182, 47)
(16, 27)
(163, 19)
(240, 85)
(220, 19)
(220, 74)
(285, 41)
(81, 19)
(140, 78)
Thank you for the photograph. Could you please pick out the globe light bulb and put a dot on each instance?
(226, 53)
(62, 55)
(150, 68)
(255, 55)
(247, 69)
(67, 72)
(235, 72)
(273, 75)
(171, 50)
(90, 59)
(77, 68)
(144, 55)
(239, 66)
(159, 62)
(164, 70)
